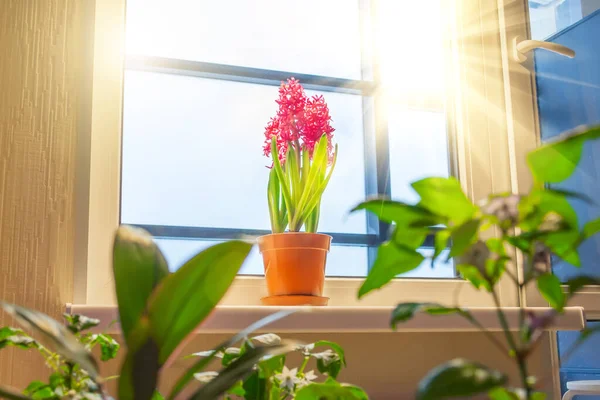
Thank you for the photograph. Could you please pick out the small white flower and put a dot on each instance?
(208, 353)
(232, 350)
(307, 378)
(305, 349)
(206, 377)
(288, 378)
(551, 222)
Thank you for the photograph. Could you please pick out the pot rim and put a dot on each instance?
(293, 234)
(294, 240)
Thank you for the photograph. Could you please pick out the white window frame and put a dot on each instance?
(483, 160)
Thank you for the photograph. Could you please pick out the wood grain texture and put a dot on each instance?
(39, 66)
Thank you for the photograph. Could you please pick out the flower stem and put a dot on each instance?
(301, 369)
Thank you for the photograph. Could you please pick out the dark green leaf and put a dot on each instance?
(16, 337)
(186, 297)
(11, 394)
(108, 346)
(254, 387)
(330, 361)
(549, 287)
(591, 228)
(411, 238)
(576, 284)
(271, 366)
(55, 336)
(138, 267)
(238, 390)
(337, 349)
(230, 354)
(458, 378)
(56, 379)
(463, 237)
(405, 311)
(445, 197)
(391, 261)
(44, 393)
(330, 390)
(556, 161)
(440, 242)
(139, 372)
(240, 369)
(201, 364)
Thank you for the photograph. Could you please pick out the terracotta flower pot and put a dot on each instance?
(294, 266)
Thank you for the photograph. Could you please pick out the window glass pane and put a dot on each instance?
(342, 261)
(418, 148)
(551, 16)
(583, 363)
(192, 154)
(320, 37)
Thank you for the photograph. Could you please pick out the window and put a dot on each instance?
(415, 89)
(199, 90)
(579, 363)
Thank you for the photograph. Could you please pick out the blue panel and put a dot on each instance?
(569, 96)
(583, 363)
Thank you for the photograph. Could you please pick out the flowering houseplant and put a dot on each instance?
(299, 140)
(485, 239)
(271, 378)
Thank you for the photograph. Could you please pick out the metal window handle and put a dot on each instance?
(520, 47)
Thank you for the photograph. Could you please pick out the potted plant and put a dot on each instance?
(299, 141)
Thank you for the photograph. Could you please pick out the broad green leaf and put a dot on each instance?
(186, 297)
(577, 283)
(458, 378)
(292, 170)
(335, 347)
(463, 237)
(254, 387)
(550, 289)
(229, 355)
(11, 394)
(394, 211)
(285, 189)
(473, 275)
(319, 164)
(411, 238)
(315, 199)
(554, 162)
(238, 390)
(54, 336)
(392, 260)
(108, 346)
(274, 201)
(330, 362)
(440, 242)
(240, 369)
(138, 267)
(444, 196)
(201, 364)
(570, 194)
(591, 228)
(139, 371)
(157, 396)
(271, 366)
(330, 390)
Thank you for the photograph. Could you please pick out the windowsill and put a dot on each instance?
(230, 319)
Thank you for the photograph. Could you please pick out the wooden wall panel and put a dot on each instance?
(39, 67)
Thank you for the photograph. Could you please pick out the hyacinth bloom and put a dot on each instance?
(299, 140)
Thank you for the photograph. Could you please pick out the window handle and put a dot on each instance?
(523, 46)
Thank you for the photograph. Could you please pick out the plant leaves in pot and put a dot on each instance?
(299, 140)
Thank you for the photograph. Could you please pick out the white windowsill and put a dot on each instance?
(230, 319)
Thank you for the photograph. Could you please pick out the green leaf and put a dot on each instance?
(554, 162)
(319, 165)
(157, 396)
(254, 387)
(394, 211)
(108, 346)
(201, 364)
(186, 297)
(330, 390)
(17, 338)
(463, 237)
(458, 378)
(440, 242)
(591, 228)
(271, 366)
(240, 369)
(473, 275)
(550, 289)
(229, 355)
(330, 362)
(568, 193)
(315, 199)
(77, 323)
(501, 393)
(274, 201)
(392, 260)
(285, 189)
(139, 372)
(138, 267)
(44, 393)
(444, 196)
(11, 394)
(55, 335)
(335, 347)
(406, 311)
(238, 390)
